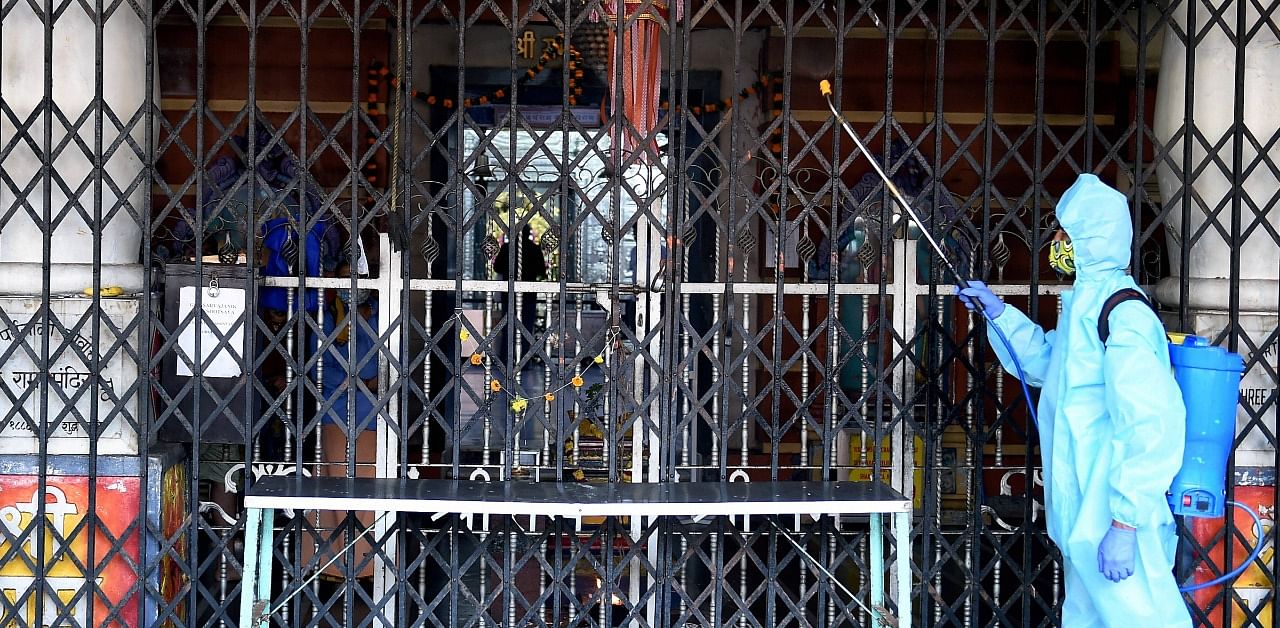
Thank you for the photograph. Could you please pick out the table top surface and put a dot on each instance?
(576, 499)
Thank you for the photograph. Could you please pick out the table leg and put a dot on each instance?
(249, 579)
(255, 584)
(877, 565)
(902, 541)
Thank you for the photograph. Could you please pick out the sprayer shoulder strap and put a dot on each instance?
(1120, 296)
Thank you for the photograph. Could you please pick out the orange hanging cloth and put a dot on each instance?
(636, 96)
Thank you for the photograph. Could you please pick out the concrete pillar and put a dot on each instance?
(22, 206)
(1214, 93)
(1211, 185)
(77, 219)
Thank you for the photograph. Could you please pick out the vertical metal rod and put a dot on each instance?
(720, 400)
(742, 610)
(1243, 38)
(296, 346)
(1186, 195)
(550, 419)
(200, 176)
(930, 529)
(777, 383)
(487, 414)
(742, 405)
(146, 359)
(509, 572)
(1091, 73)
(399, 208)
(973, 534)
(93, 427)
(321, 468)
(715, 531)
(866, 370)
(289, 547)
(1038, 195)
(456, 184)
(805, 331)
(224, 574)
(689, 375)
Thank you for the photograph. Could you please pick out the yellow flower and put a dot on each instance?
(549, 396)
(576, 381)
(519, 405)
(495, 386)
(477, 359)
(579, 475)
(599, 359)
(464, 335)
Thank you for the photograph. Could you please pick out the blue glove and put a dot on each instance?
(979, 294)
(1116, 553)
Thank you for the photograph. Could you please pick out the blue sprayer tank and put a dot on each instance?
(1209, 378)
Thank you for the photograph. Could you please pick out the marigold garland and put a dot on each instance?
(520, 403)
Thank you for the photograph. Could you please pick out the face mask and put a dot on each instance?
(361, 295)
(1062, 257)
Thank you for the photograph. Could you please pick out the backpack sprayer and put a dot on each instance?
(1208, 376)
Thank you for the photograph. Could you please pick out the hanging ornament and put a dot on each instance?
(806, 248)
(638, 48)
(227, 252)
(289, 252)
(490, 247)
(690, 234)
(549, 242)
(430, 249)
(1000, 253)
(868, 254)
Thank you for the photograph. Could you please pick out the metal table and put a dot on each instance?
(572, 500)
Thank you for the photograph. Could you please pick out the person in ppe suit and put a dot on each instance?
(1111, 421)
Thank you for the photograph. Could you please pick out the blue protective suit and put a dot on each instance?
(1111, 422)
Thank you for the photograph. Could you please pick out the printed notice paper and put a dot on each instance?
(223, 312)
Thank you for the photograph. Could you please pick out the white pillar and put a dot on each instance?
(77, 217)
(22, 87)
(1213, 115)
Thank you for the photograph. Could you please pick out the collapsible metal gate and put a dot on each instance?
(190, 191)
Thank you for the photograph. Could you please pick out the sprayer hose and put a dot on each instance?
(1235, 573)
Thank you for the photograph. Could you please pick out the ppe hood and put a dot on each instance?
(1097, 218)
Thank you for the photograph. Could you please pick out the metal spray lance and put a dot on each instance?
(825, 86)
(961, 280)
